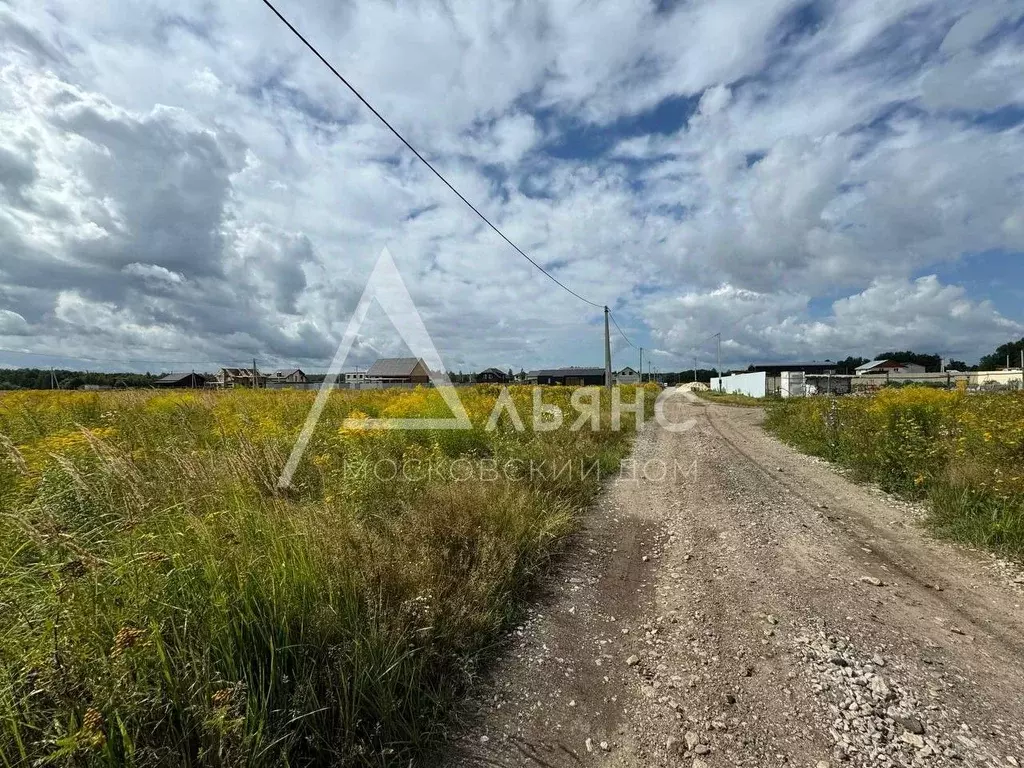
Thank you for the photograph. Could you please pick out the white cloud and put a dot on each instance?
(206, 188)
(12, 324)
(892, 312)
(154, 272)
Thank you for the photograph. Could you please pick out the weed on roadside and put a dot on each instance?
(163, 603)
(963, 453)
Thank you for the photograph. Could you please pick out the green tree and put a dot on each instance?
(998, 358)
(40, 378)
(850, 364)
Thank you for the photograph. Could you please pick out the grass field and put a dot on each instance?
(162, 603)
(964, 453)
(723, 398)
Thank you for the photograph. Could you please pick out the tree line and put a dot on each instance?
(45, 378)
(1008, 353)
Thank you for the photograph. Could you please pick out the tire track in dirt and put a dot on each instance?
(856, 532)
(716, 616)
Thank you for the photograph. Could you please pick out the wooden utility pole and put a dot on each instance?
(642, 364)
(254, 373)
(607, 352)
(719, 335)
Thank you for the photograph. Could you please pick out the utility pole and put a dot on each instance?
(254, 373)
(607, 352)
(694, 370)
(719, 335)
(642, 364)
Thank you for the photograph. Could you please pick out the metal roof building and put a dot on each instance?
(813, 366)
(190, 380)
(567, 376)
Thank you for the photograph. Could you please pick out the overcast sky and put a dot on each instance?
(184, 182)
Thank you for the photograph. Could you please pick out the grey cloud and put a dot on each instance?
(18, 36)
(275, 260)
(168, 183)
(17, 173)
(12, 324)
(151, 252)
(974, 26)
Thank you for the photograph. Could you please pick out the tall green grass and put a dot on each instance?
(162, 603)
(962, 453)
(727, 398)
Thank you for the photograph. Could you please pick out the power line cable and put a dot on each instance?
(728, 327)
(420, 157)
(702, 343)
(620, 330)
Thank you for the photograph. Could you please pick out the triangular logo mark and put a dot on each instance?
(387, 287)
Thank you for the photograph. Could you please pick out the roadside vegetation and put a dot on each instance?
(963, 453)
(163, 603)
(724, 398)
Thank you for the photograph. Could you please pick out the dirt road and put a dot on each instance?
(737, 603)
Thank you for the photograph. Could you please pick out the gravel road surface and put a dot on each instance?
(732, 602)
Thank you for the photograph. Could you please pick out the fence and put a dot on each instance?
(751, 384)
(799, 384)
(997, 379)
(974, 380)
(342, 385)
(791, 384)
(828, 384)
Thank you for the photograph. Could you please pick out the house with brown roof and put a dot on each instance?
(399, 370)
(240, 377)
(888, 366)
(292, 376)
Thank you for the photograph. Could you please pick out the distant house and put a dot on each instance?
(399, 370)
(191, 380)
(889, 366)
(627, 376)
(353, 377)
(573, 377)
(240, 377)
(293, 376)
(493, 376)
